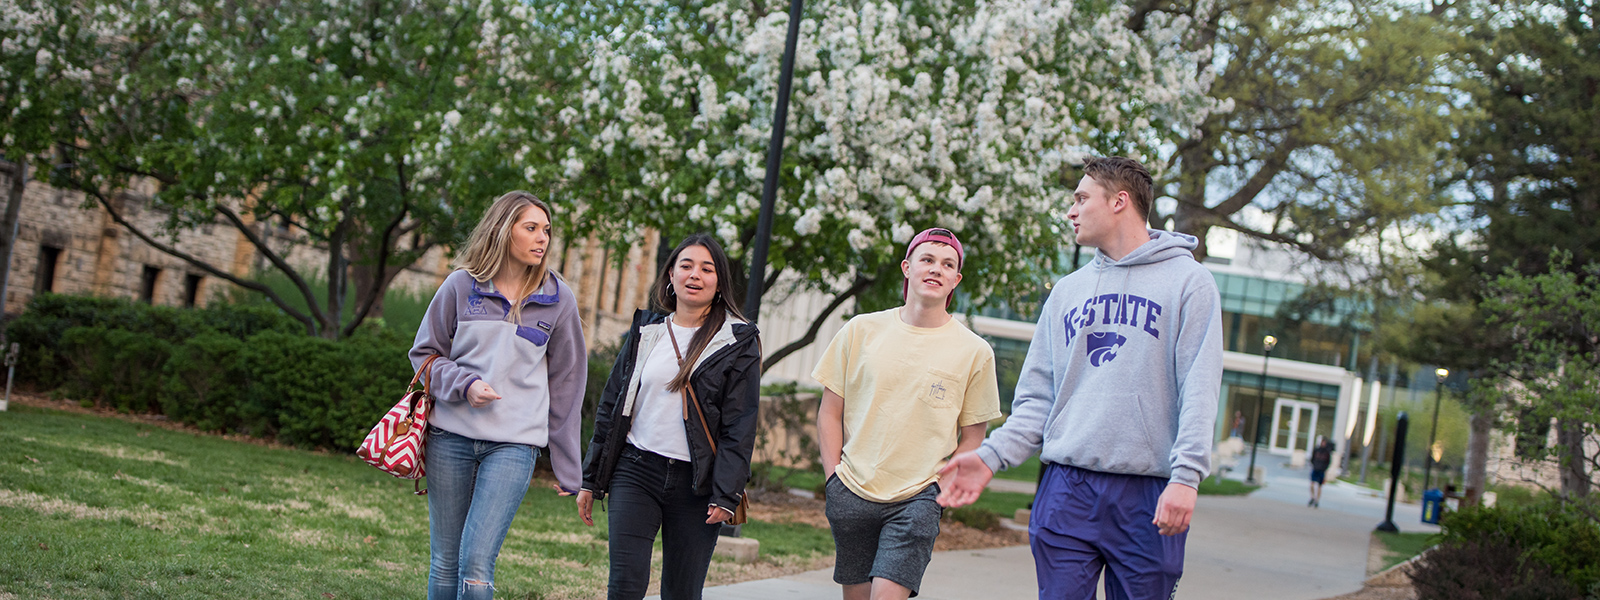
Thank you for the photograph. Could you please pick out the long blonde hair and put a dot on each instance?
(487, 249)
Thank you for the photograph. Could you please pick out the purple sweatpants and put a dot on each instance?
(1085, 521)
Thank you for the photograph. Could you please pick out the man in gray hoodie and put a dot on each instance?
(1118, 394)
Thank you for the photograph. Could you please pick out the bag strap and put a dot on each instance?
(426, 375)
(689, 397)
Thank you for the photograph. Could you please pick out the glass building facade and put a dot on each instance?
(1309, 384)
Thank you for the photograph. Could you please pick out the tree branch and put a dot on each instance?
(860, 285)
(189, 258)
(277, 261)
(1258, 181)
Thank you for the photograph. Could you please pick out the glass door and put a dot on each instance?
(1294, 425)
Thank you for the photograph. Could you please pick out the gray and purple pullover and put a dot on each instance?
(539, 368)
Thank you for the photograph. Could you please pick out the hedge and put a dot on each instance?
(42, 327)
(225, 368)
(1549, 549)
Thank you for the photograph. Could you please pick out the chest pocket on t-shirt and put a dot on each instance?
(939, 389)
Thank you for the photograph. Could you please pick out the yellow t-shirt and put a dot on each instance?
(906, 392)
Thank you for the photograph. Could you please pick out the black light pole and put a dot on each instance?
(1399, 458)
(1255, 440)
(769, 189)
(1438, 396)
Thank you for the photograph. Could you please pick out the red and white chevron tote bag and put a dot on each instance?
(395, 445)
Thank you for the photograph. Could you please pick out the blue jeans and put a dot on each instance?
(650, 492)
(474, 489)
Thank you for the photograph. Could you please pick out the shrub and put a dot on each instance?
(328, 394)
(1549, 549)
(40, 329)
(114, 368)
(1484, 571)
(245, 368)
(208, 385)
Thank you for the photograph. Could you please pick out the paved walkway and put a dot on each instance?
(1268, 545)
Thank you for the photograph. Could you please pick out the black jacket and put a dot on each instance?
(728, 386)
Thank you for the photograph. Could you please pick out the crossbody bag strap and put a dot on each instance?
(689, 397)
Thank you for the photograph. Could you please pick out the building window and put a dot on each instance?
(147, 284)
(45, 279)
(191, 289)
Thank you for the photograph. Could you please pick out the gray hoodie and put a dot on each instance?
(1124, 369)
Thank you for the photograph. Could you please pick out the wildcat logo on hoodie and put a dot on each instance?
(1142, 314)
(1103, 346)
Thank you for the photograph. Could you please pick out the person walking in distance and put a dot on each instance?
(675, 427)
(1118, 394)
(902, 388)
(509, 382)
(1321, 458)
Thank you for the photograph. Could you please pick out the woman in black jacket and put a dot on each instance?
(675, 427)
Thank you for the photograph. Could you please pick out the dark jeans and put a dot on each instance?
(650, 492)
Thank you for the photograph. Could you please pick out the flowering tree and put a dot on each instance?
(374, 129)
(964, 114)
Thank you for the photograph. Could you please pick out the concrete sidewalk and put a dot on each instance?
(1268, 545)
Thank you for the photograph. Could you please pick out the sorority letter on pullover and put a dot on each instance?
(1124, 369)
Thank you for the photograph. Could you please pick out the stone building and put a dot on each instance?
(68, 246)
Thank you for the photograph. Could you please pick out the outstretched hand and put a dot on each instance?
(586, 507)
(962, 480)
(1174, 508)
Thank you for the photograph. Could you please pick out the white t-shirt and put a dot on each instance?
(657, 413)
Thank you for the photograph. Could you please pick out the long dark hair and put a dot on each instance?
(721, 307)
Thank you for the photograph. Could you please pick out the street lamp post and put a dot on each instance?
(1255, 440)
(1438, 396)
(1402, 423)
(769, 187)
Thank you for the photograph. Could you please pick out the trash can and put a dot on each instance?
(1432, 505)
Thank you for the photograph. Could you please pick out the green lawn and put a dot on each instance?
(1004, 504)
(97, 507)
(1212, 486)
(1027, 471)
(1402, 546)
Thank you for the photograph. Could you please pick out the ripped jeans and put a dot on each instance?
(474, 489)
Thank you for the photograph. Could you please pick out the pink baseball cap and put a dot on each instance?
(943, 236)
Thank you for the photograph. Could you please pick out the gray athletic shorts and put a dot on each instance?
(893, 541)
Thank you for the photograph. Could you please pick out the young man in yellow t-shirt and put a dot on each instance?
(903, 389)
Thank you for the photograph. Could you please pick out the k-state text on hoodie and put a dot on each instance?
(1124, 369)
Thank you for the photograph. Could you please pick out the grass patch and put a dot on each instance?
(782, 478)
(1517, 496)
(105, 508)
(1214, 486)
(1004, 504)
(1027, 471)
(1400, 547)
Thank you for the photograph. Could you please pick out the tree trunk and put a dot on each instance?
(1477, 456)
(1574, 474)
(8, 228)
(338, 279)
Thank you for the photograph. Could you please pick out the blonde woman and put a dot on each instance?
(509, 384)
